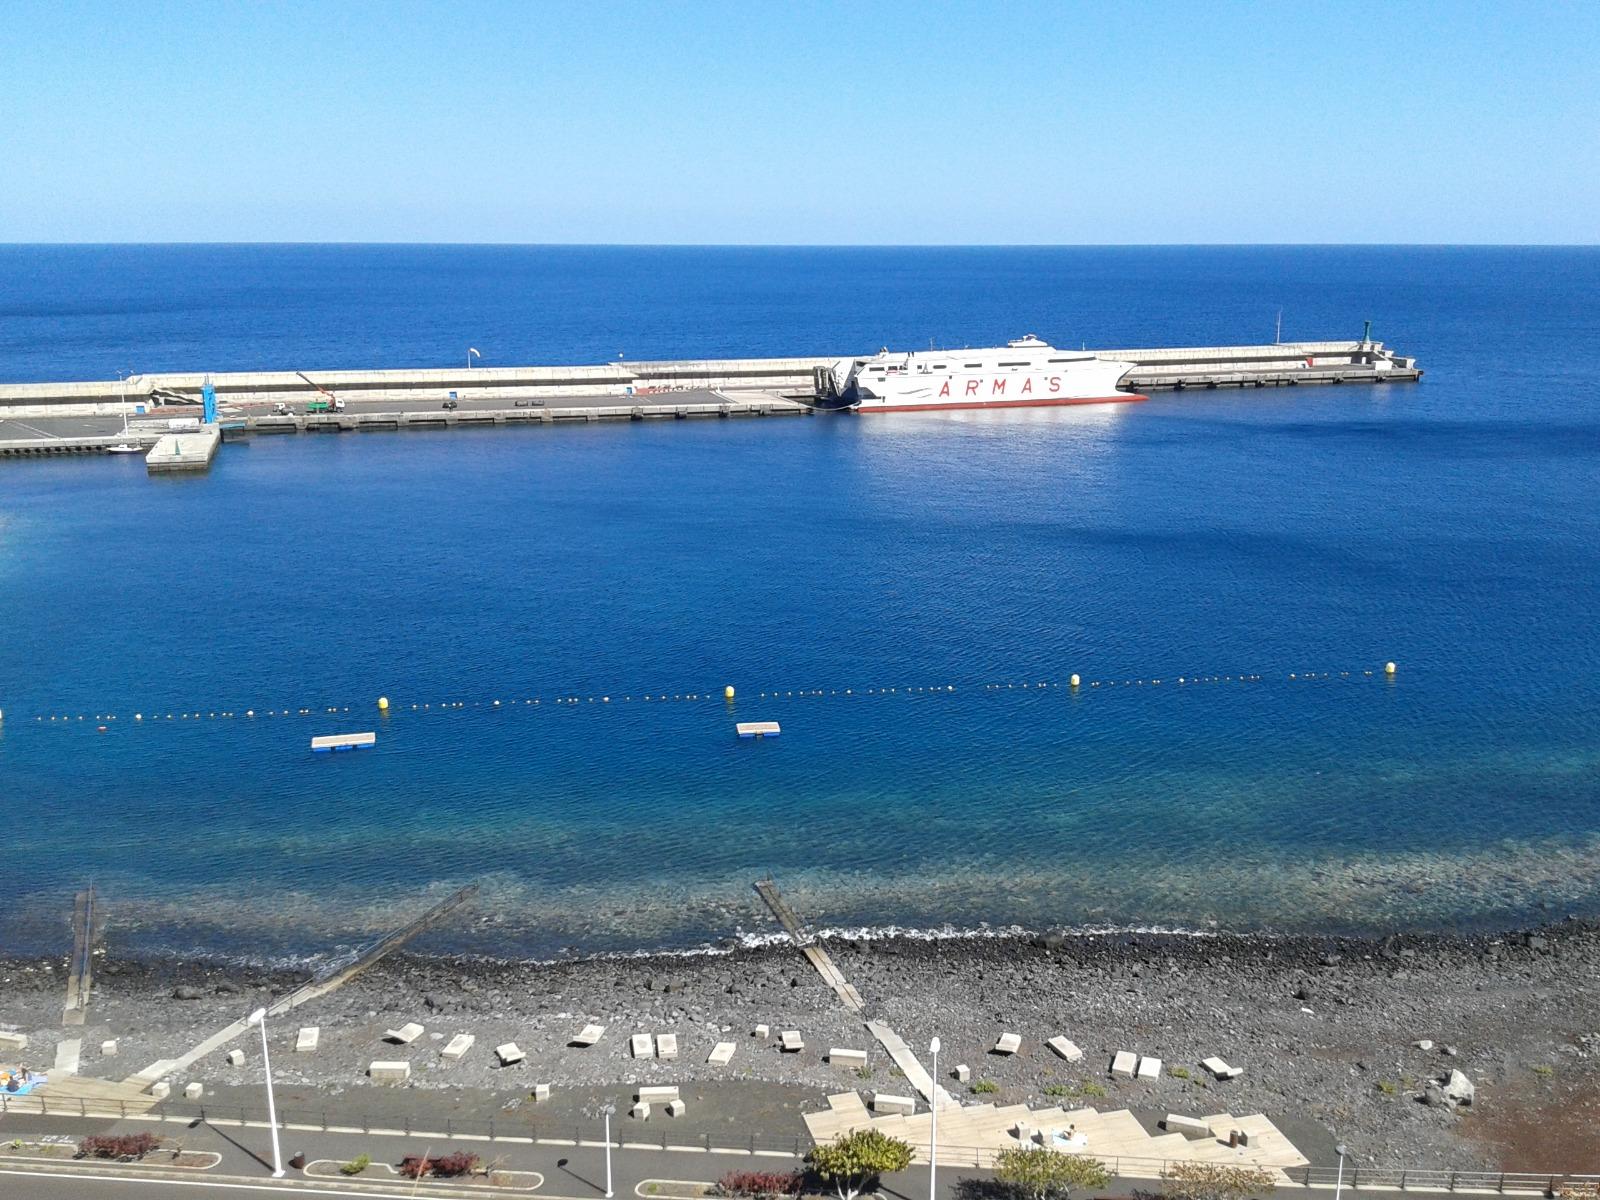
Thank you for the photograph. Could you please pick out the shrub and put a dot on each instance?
(1058, 1089)
(356, 1165)
(853, 1163)
(123, 1147)
(760, 1183)
(1092, 1089)
(1543, 1071)
(1214, 1181)
(863, 1072)
(1179, 1072)
(445, 1166)
(1039, 1173)
(1387, 1088)
(985, 1087)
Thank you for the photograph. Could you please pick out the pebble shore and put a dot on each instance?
(1325, 1029)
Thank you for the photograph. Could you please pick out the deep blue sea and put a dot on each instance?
(907, 595)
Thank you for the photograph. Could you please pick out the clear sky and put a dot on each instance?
(770, 121)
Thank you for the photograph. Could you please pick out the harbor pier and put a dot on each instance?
(160, 412)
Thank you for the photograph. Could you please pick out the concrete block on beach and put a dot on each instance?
(1008, 1043)
(589, 1035)
(540, 1093)
(389, 1072)
(763, 1032)
(456, 1049)
(1149, 1068)
(792, 1042)
(963, 1073)
(642, 1045)
(161, 1089)
(1220, 1069)
(666, 1046)
(1066, 1048)
(676, 1108)
(1124, 1063)
(846, 1058)
(194, 1091)
(882, 1102)
(108, 1049)
(236, 1058)
(13, 1042)
(657, 1092)
(509, 1054)
(306, 1040)
(641, 1110)
(405, 1035)
(721, 1054)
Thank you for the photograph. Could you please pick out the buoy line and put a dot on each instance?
(1074, 684)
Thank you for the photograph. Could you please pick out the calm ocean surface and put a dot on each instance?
(1453, 526)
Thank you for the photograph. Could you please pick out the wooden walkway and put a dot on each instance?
(320, 986)
(790, 920)
(85, 933)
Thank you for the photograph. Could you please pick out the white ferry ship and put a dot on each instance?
(1021, 374)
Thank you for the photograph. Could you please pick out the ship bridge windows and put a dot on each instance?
(972, 366)
(1015, 364)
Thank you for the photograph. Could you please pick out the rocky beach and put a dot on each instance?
(1339, 1038)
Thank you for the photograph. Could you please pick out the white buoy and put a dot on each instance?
(727, 692)
(1388, 668)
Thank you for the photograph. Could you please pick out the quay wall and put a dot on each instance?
(1157, 367)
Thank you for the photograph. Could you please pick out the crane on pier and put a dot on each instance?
(329, 400)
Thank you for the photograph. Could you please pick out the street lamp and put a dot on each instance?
(471, 353)
(259, 1017)
(933, 1125)
(1338, 1182)
(606, 1112)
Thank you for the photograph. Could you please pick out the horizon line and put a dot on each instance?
(832, 245)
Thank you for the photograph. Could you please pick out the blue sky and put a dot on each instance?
(762, 122)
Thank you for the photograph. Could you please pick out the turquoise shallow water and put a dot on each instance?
(961, 561)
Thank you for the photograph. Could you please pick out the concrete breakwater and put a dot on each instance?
(1172, 367)
(38, 419)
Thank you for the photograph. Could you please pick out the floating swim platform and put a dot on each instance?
(343, 741)
(756, 729)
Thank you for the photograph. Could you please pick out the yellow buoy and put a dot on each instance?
(727, 692)
(1074, 681)
(1388, 668)
(383, 704)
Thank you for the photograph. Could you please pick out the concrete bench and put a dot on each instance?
(161, 1089)
(456, 1049)
(108, 1049)
(589, 1035)
(963, 1073)
(763, 1032)
(1220, 1069)
(641, 1110)
(236, 1058)
(721, 1054)
(306, 1040)
(883, 1103)
(666, 1046)
(659, 1091)
(1009, 1043)
(676, 1108)
(405, 1035)
(15, 1042)
(1149, 1068)
(1066, 1048)
(389, 1072)
(792, 1042)
(642, 1045)
(1124, 1064)
(509, 1054)
(540, 1093)
(847, 1058)
(194, 1091)
(1188, 1126)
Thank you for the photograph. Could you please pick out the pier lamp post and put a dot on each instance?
(1338, 1182)
(259, 1017)
(471, 354)
(606, 1110)
(933, 1124)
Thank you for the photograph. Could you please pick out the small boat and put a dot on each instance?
(124, 448)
